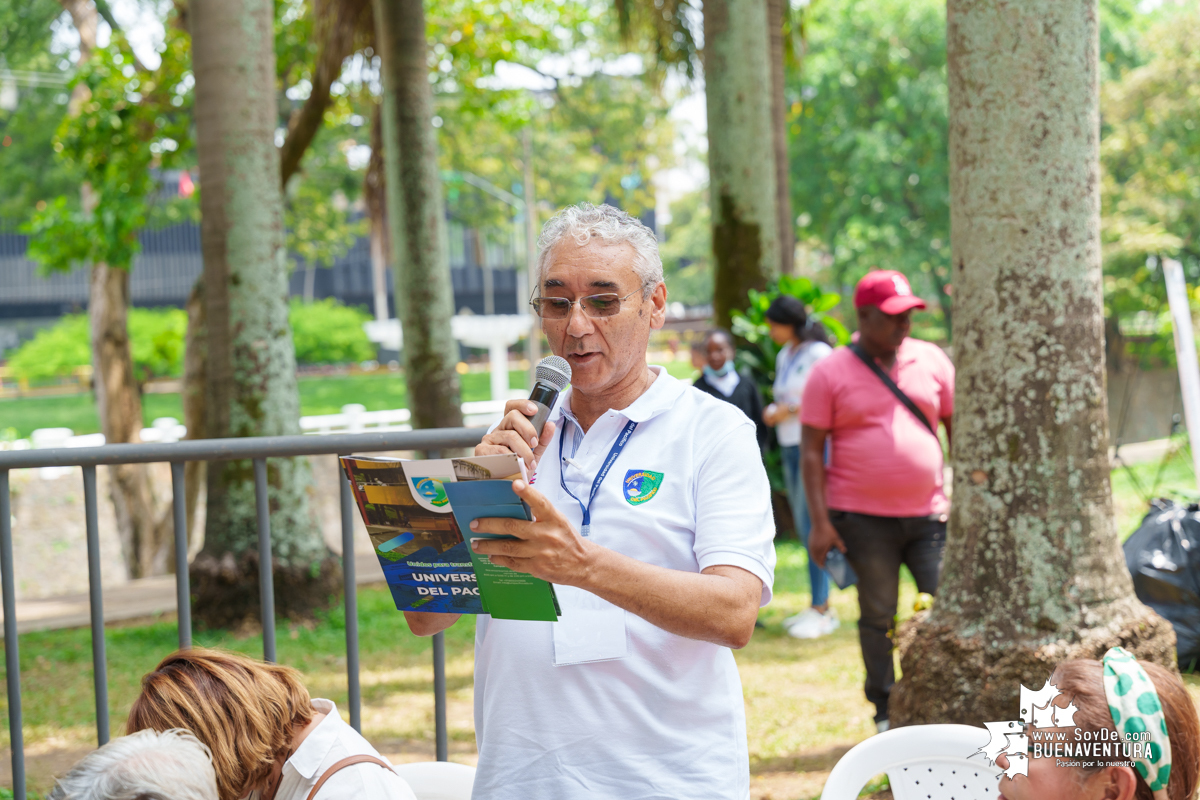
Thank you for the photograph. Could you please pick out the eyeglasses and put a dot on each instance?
(595, 305)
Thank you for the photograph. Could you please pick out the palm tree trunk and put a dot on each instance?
(424, 300)
(741, 151)
(1033, 568)
(251, 361)
(783, 193)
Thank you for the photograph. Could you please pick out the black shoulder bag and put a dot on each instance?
(904, 399)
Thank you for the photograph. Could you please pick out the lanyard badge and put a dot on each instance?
(609, 460)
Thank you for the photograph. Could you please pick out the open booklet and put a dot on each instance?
(416, 512)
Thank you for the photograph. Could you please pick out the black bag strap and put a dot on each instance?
(904, 399)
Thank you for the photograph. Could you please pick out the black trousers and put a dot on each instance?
(876, 547)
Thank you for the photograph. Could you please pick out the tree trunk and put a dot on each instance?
(1033, 571)
(374, 193)
(741, 151)
(195, 389)
(251, 361)
(142, 522)
(146, 543)
(424, 301)
(776, 9)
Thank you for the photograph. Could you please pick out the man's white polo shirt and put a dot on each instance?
(631, 711)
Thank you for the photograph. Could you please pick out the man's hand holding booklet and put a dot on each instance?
(416, 513)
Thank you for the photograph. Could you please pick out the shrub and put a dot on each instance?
(327, 332)
(156, 336)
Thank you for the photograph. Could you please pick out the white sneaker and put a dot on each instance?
(811, 624)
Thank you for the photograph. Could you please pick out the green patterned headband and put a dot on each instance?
(1138, 717)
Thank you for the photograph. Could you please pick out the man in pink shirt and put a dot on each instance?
(879, 498)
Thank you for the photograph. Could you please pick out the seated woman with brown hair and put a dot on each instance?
(1135, 736)
(267, 736)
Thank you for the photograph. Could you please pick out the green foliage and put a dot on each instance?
(756, 351)
(596, 134)
(1150, 154)
(128, 122)
(868, 142)
(55, 351)
(32, 172)
(687, 251)
(156, 339)
(327, 332)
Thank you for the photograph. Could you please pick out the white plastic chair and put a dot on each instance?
(922, 762)
(438, 780)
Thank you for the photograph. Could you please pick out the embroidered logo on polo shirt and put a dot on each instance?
(641, 485)
(432, 490)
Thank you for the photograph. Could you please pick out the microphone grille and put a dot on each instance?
(555, 371)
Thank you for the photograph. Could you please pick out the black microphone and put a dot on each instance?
(551, 377)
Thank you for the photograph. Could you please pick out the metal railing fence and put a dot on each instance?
(258, 450)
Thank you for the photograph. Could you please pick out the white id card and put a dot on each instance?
(590, 628)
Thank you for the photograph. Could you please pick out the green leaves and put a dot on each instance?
(759, 351)
(156, 339)
(327, 332)
(125, 125)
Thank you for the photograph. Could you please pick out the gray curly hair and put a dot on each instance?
(582, 221)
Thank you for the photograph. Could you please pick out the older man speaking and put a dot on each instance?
(634, 692)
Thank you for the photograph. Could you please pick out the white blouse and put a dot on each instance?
(330, 742)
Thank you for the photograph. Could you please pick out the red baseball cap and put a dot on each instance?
(887, 289)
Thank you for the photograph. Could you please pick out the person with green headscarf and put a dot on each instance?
(1129, 732)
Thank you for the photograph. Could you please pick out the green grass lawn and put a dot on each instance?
(1134, 486)
(318, 395)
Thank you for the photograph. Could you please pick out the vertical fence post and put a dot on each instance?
(439, 678)
(96, 601)
(266, 583)
(349, 581)
(12, 661)
(439, 695)
(183, 592)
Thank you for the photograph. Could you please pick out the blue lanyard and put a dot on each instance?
(617, 447)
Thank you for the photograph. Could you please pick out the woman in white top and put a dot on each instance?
(268, 738)
(804, 344)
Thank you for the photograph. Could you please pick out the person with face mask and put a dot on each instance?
(720, 379)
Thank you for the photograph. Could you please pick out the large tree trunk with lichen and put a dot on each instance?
(424, 300)
(776, 13)
(142, 519)
(1033, 571)
(741, 151)
(251, 366)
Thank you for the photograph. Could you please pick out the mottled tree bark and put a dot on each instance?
(1033, 572)
(143, 522)
(424, 301)
(251, 361)
(776, 9)
(741, 151)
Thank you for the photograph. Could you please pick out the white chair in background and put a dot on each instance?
(922, 762)
(438, 780)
